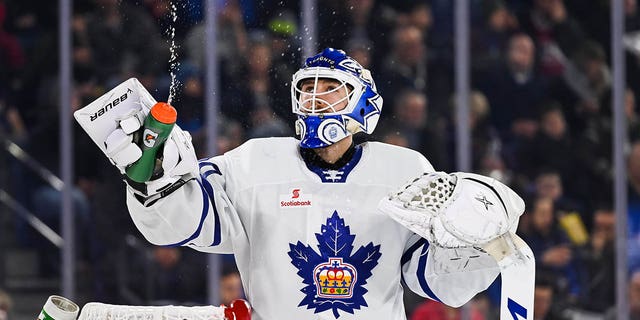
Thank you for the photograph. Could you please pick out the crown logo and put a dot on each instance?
(335, 276)
(334, 279)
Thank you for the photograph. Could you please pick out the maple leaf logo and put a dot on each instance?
(334, 278)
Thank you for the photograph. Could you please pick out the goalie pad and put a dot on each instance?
(455, 210)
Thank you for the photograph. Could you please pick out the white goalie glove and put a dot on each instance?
(474, 212)
(178, 160)
(455, 210)
(115, 118)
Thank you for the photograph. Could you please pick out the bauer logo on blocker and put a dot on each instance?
(296, 198)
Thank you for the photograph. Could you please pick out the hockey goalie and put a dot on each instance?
(317, 224)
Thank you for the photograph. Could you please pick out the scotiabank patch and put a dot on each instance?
(295, 199)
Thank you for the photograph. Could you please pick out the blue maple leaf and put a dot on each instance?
(334, 241)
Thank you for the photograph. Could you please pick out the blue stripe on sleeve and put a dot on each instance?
(421, 273)
(216, 229)
(205, 210)
(406, 257)
(203, 162)
(214, 169)
(208, 173)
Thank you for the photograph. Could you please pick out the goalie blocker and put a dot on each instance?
(116, 117)
(464, 210)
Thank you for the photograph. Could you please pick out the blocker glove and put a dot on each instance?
(175, 164)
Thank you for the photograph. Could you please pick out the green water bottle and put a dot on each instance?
(59, 308)
(157, 127)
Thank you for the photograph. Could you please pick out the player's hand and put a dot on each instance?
(178, 156)
(455, 210)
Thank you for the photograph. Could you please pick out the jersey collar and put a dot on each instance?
(331, 173)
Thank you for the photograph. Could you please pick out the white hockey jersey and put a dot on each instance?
(310, 242)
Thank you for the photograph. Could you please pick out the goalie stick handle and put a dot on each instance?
(517, 269)
(505, 246)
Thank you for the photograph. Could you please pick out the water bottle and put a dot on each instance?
(157, 127)
(59, 308)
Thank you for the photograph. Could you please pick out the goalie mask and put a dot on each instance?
(333, 97)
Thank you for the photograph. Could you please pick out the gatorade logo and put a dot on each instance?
(149, 138)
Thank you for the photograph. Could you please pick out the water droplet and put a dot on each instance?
(174, 64)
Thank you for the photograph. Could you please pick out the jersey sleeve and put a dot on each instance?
(199, 214)
(450, 276)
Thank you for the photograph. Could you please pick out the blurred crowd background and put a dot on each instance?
(541, 122)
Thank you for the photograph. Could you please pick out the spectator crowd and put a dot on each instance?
(540, 118)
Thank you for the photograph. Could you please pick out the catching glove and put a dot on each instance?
(455, 210)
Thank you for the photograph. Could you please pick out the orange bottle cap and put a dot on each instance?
(164, 113)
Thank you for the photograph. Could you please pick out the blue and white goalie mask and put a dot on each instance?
(333, 96)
